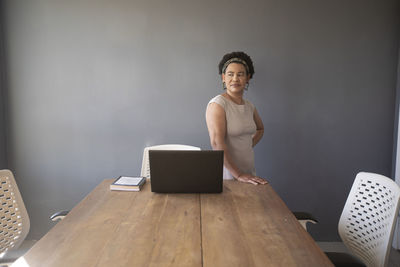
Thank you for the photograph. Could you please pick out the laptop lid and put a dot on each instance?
(189, 171)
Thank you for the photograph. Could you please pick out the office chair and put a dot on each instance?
(145, 172)
(368, 220)
(14, 219)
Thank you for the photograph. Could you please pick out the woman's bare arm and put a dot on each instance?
(216, 124)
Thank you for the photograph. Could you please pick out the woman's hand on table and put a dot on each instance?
(252, 179)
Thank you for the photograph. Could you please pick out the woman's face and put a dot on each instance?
(235, 78)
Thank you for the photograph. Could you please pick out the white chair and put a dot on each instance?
(145, 162)
(14, 219)
(368, 220)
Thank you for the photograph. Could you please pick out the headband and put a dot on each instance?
(235, 60)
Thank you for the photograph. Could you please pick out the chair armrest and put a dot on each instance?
(59, 215)
(305, 216)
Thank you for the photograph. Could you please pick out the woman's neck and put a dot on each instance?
(236, 98)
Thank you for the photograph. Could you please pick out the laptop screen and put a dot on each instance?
(186, 171)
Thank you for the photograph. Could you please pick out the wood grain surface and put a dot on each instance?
(246, 225)
(250, 225)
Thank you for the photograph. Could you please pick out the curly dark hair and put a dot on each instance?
(241, 55)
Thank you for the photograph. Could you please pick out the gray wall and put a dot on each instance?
(91, 83)
(3, 158)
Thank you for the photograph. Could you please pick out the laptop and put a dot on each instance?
(186, 171)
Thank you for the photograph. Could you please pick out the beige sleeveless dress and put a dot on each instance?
(240, 129)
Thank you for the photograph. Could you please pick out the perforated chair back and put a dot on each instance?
(368, 219)
(145, 162)
(14, 220)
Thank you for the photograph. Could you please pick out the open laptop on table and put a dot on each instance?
(186, 171)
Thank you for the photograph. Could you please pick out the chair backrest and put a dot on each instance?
(368, 219)
(145, 162)
(14, 219)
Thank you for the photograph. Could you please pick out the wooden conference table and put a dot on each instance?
(245, 226)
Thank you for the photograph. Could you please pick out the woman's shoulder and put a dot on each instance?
(219, 99)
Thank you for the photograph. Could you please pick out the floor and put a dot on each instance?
(394, 258)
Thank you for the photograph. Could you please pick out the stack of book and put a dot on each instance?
(127, 183)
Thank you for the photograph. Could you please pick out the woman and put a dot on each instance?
(233, 122)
